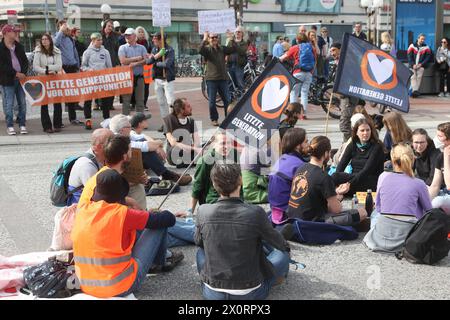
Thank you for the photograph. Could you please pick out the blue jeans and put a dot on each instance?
(237, 74)
(150, 248)
(181, 234)
(280, 262)
(303, 87)
(152, 161)
(214, 86)
(9, 94)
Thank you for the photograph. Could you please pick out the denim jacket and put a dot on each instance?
(232, 234)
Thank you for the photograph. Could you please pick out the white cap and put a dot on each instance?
(355, 118)
(130, 31)
(116, 24)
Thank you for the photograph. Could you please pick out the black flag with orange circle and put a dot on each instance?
(368, 73)
(257, 114)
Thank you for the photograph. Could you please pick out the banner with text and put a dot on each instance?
(216, 21)
(257, 114)
(368, 73)
(161, 13)
(76, 87)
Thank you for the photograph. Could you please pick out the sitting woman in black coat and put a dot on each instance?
(366, 155)
(426, 155)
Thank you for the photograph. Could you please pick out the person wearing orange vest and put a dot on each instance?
(111, 257)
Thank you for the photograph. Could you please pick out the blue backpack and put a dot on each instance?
(60, 182)
(306, 59)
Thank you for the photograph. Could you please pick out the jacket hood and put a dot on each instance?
(92, 47)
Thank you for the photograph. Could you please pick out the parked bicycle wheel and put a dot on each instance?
(335, 110)
(219, 102)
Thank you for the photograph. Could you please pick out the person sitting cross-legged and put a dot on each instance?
(240, 256)
(136, 240)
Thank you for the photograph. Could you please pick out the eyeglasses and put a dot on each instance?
(214, 37)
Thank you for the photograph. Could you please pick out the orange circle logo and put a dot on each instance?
(272, 94)
(299, 187)
(380, 70)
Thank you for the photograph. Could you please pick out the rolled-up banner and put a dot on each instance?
(76, 87)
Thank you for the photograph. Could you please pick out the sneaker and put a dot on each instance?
(88, 124)
(23, 130)
(288, 231)
(441, 94)
(169, 265)
(215, 123)
(11, 131)
(76, 122)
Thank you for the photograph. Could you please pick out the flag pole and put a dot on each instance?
(162, 46)
(328, 114)
(190, 165)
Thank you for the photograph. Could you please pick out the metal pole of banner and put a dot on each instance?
(190, 165)
(162, 47)
(47, 23)
(328, 114)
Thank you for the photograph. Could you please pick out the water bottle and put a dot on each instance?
(355, 202)
(190, 217)
(369, 202)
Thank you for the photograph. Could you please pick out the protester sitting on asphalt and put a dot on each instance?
(294, 146)
(96, 57)
(425, 155)
(47, 60)
(119, 266)
(202, 189)
(235, 260)
(183, 141)
(13, 68)
(366, 155)
(86, 167)
(401, 200)
(216, 73)
(255, 182)
(292, 112)
(440, 187)
(314, 196)
(146, 144)
(397, 130)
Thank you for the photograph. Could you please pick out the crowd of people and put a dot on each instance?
(243, 250)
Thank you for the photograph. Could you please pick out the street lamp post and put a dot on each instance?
(372, 7)
(106, 10)
(238, 6)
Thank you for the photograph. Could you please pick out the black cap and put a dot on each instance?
(111, 187)
(138, 118)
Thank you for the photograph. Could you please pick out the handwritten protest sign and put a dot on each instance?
(216, 21)
(75, 87)
(161, 13)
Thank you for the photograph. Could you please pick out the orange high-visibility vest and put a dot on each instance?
(148, 77)
(104, 268)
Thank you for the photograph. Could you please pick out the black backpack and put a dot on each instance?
(427, 242)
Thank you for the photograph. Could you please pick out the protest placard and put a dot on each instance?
(75, 87)
(133, 173)
(161, 13)
(216, 21)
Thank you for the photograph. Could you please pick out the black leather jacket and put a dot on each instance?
(7, 72)
(232, 234)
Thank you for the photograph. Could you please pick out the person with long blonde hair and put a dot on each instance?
(387, 44)
(401, 199)
(397, 130)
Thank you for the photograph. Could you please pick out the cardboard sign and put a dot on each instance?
(135, 170)
(216, 21)
(161, 13)
(75, 87)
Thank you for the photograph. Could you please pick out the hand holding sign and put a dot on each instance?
(216, 21)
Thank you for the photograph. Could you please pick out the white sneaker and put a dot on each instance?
(440, 95)
(23, 130)
(11, 131)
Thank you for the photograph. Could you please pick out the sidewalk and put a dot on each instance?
(426, 111)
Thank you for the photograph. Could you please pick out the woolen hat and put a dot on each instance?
(111, 187)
